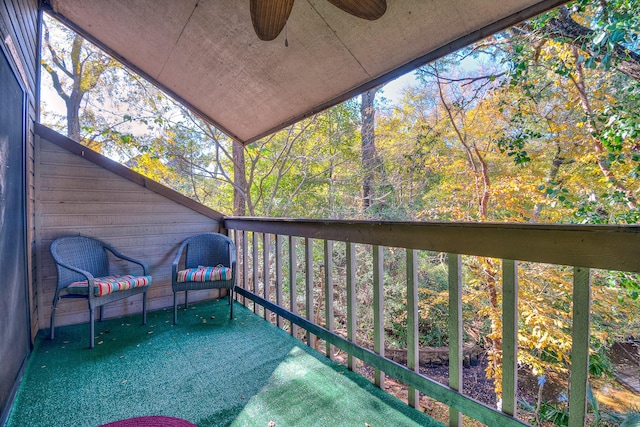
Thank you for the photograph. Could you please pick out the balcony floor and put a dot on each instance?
(207, 369)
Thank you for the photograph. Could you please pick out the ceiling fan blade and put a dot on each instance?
(269, 17)
(365, 9)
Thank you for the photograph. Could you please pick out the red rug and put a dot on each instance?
(154, 421)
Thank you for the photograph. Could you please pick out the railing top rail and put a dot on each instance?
(611, 247)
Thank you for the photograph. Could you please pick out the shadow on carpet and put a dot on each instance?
(207, 369)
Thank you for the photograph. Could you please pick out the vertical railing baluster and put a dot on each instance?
(293, 283)
(413, 356)
(351, 298)
(378, 310)
(266, 276)
(308, 263)
(278, 256)
(328, 292)
(580, 336)
(245, 264)
(256, 276)
(236, 236)
(509, 336)
(454, 262)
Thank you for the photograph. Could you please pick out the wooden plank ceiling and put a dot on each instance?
(206, 53)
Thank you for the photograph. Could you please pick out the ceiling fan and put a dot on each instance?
(270, 16)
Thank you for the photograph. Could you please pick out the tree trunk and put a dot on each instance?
(239, 179)
(367, 111)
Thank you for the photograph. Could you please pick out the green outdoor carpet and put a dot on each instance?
(208, 369)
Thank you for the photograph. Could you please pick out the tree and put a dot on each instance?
(568, 126)
(74, 72)
(369, 158)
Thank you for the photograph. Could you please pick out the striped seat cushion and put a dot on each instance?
(108, 284)
(204, 274)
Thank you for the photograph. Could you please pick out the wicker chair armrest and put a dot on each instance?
(176, 260)
(85, 273)
(120, 255)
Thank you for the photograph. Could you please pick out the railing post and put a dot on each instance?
(509, 336)
(308, 262)
(328, 292)
(378, 310)
(266, 243)
(256, 276)
(580, 336)
(454, 262)
(278, 256)
(351, 299)
(413, 352)
(293, 282)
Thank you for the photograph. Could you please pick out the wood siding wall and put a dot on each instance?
(81, 192)
(19, 32)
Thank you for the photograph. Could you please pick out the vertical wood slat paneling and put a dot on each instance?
(412, 322)
(278, 260)
(328, 293)
(454, 262)
(509, 336)
(308, 265)
(293, 282)
(580, 337)
(39, 278)
(150, 235)
(19, 30)
(378, 310)
(351, 298)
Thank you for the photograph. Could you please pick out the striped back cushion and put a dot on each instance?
(108, 284)
(204, 274)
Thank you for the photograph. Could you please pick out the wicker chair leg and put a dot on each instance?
(231, 303)
(175, 307)
(144, 307)
(54, 306)
(186, 299)
(101, 308)
(91, 328)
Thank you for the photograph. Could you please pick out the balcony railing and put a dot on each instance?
(260, 243)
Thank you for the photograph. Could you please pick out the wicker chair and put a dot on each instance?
(83, 270)
(209, 263)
